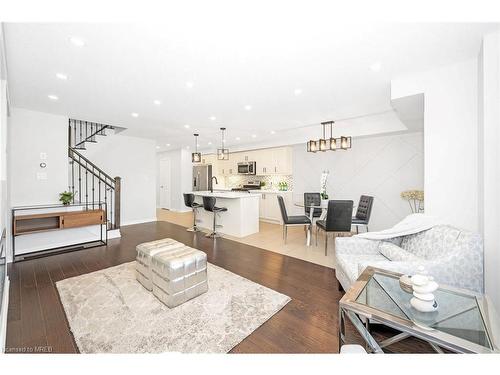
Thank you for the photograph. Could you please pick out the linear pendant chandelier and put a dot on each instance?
(332, 144)
(222, 152)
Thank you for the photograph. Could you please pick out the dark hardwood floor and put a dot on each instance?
(307, 324)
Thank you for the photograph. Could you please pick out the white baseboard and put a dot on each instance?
(183, 210)
(114, 233)
(3, 316)
(139, 221)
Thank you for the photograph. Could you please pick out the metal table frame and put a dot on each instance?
(361, 316)
(324, 207)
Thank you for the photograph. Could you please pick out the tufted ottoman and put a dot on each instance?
(145, 252)
(179, 275)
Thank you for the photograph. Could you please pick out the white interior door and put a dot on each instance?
(164, 182)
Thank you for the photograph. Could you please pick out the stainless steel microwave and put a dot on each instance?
(247, 167)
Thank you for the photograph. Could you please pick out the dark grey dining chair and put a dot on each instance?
(289, 221)
(363, 212)
(338, 219)
(312, 199)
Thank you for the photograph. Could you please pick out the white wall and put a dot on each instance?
(4, 207)
(489, 163)
(131, 158)
(3, 154)
(181, 173)
(30, 134)
(380, 166)
(450, 139)
(134, 160)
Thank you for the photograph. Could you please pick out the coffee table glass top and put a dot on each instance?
(458, 314)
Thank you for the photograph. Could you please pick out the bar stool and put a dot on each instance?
(209, 205)
(189, 202)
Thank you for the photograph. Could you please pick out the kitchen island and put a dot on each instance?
(241, 218)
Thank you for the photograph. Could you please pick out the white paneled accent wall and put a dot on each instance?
(382, 167)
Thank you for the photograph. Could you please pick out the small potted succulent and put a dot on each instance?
(66, 197)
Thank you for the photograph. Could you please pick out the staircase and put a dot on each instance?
(90, 185)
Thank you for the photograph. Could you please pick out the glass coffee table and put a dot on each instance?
(458, 325)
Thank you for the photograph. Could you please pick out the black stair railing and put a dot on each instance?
(89, 183)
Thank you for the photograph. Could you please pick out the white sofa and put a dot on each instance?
(452, 256)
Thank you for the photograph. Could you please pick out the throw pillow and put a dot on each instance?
(395, 253)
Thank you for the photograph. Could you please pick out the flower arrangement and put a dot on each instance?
(415, 199)
(323, 182)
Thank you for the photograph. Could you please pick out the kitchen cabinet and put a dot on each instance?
(209, 159)
(227, 167)
(269, 209)
(282, 159)
(272, 161)
(269, 161)
(246, 156)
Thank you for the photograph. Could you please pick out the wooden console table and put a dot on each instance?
(55, 218)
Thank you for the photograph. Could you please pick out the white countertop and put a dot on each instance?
(271, 191)
(225, 194)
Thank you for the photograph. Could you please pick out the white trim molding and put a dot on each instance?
(3, 315)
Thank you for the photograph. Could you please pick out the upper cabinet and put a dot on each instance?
(269, 161)
(282, 160)
(209, 159)
(272, 161)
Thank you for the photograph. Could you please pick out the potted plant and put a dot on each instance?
(66, 197)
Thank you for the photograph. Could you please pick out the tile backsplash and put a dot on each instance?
(271, 181)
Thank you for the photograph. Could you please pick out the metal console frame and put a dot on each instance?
(101, 241)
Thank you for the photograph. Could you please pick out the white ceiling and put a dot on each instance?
(123, 68)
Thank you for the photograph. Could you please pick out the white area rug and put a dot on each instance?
(110, 312)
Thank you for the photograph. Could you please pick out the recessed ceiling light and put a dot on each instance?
(187, 147)
(254, 135)
(62, 76)
(297, 92)
(134, 114)
(209, 143)
(376, 66)
(53, 97)
(157, 147)
(272, 132)
(189, 84)
(76, 41)
(248, 107)
(156, 101)
(187, 126)
(212, 118)
(168, 144)
(238, 138)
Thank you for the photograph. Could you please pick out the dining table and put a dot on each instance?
(324, 208)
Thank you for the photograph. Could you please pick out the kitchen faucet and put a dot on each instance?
(212, 184)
